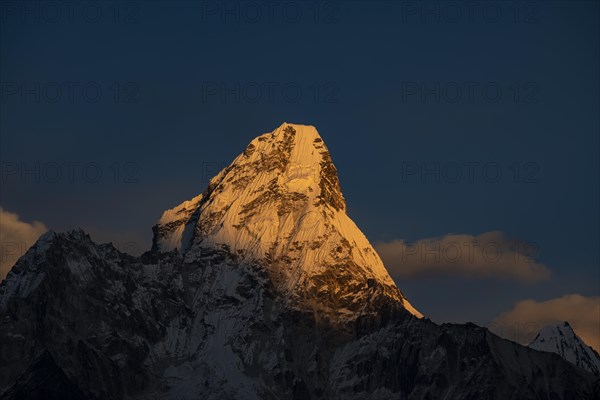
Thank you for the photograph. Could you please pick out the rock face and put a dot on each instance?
(562, 340)
(260, 288)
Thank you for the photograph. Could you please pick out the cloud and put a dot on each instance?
(489, 255)
(16, 237)
(525, 320)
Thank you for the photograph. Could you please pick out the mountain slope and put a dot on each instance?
(562, 340)
(86, 321)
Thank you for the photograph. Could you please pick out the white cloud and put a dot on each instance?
(16, 237)
(490, 254)
(527, 317)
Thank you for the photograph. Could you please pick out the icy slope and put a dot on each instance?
(562, 340)
(279, 204)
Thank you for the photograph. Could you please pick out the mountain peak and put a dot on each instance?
(562, 340)
(279, 204)
(299, 155)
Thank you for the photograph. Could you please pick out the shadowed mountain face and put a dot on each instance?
(260, 288)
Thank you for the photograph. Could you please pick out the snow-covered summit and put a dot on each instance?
(562, 340)
(279, 204)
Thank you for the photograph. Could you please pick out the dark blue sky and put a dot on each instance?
(391, 86)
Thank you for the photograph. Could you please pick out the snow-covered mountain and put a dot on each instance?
(260, 288)
(562, 340)
(279, 204)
